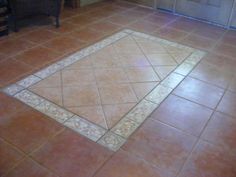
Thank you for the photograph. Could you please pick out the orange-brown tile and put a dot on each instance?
(171, 34)
(210, 73)
(209, 161)
(182, 114)
(64, 44)
(64, 28)
(105, 27)
(200, 92)
(161, 145)
(87, 35)
(11, 70)
(38, 56)
(198, 42)
(144, 26)
(121, 19)
(221, 131)
(224, 49)
(184, 24)
(125, 165)
(10, 106)
(29, 168)
(70, 154)
(39, 36)
(82, 20)
(27, 129)
(9, 156)
(159, 20)
(228, 104)
(13, 46)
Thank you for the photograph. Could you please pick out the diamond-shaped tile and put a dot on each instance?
(84, 95)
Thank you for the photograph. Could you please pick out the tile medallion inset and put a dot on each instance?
(107, 90)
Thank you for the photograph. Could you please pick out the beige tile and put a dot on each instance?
(114, 113)
(84, 95)
(117, 93)
(163, 71)
(77, 77)
(161, 59)
(142, 89)
(142, 74)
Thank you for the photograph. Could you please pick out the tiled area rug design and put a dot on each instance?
(107, 90)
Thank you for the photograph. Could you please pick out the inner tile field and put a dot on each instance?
(107, 90)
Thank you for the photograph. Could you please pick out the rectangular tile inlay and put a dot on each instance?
(107, 90)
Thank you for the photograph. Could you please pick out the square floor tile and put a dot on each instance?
(125, 165)
(183, 114)
(161, 145)
(29, 168)
(199, 92)
(28, 129)
(9, 156)
(221, 131)
(209, 160)
(70, 154)
(228, 104)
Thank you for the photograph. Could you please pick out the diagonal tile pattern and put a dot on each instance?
(116, 76)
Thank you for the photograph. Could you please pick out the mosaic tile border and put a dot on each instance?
(112, 139)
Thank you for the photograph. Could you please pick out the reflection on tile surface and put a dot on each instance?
(110, 87)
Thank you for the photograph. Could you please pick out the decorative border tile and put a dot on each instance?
(57, 113)
(85, 128)
(112, 141)
(13, 89)
(118, 135)
(28, 81)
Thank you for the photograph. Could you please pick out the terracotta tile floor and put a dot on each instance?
(191, 134)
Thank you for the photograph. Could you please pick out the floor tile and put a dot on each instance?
(121, 19)
(182, 114)
(105, 27)
(40, 36)
(29, 168)
(64, 44)
(198, 42)
(144, 26)
(64, 28)
(9, 157)
(134, 60)
(228, 104)
(38, 56)
(143, 88)
(125, 165)
(161, 145)
(9, 106)
(199, 92)
(14, 46)
(142, 74)
(212, 74)
(28, 129)
(209, 160)
(70, 154)
(114, 113)
(161, 59)
(82, 20)
(11, 70)
(117, 93)
(170, 33)
(221, 131)
(84, 95)
(225, 49)
(87, 35)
